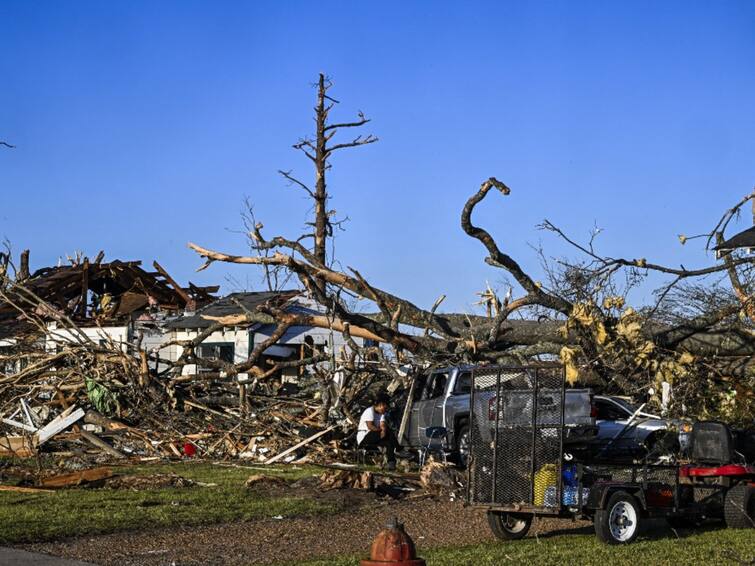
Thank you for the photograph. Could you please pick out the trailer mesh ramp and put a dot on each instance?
(516, 437)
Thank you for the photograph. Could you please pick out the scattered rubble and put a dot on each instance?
(153, 481)
(82, 375)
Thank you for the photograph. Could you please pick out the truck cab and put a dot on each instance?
(440, 398)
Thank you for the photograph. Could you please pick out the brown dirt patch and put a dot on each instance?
(430, 522)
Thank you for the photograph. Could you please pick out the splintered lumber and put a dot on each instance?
(18, 446)
(58, 424)
(93, 417)
(20, 425)
(77, 478)
(297, 446)
(101, 444)
(19, 489)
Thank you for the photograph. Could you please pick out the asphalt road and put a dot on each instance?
(14, 557)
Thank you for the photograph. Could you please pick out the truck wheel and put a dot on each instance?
(739, 507)
(463, 440)
(619, 521)
(507, 526)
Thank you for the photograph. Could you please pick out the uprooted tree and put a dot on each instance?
(698, 336)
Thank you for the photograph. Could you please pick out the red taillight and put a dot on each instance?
(593, 410)
(492, 407)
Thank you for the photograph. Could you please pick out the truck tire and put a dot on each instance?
(620, 521)
(739, 507)
(507, 526)
(463, 439)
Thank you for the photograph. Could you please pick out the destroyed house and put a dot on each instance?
(117, 301)
(234, 343)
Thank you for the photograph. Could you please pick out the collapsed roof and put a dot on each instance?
(89, 292)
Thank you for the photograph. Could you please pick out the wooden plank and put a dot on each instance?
(77, 478)
(95, 418)
(17, 424)
(18, 446)
(172, 282)
(19, 489)
(101, 444)
(297, 446)
(403, 438)
(58, 424)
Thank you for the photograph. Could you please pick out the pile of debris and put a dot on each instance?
(69, 386)
(274, 434)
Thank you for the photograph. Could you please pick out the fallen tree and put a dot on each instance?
(581, 315)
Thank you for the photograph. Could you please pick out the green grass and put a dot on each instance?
(717, 546)
(36, 517)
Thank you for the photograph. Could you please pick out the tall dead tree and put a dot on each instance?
(319, 150)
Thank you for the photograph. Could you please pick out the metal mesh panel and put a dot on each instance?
(701, 494)
(634, 474)
(516, 436)
(481, 438)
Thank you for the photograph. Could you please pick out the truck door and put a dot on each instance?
(418, 392)
(430, 406)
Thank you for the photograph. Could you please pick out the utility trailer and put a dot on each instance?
(521, 468)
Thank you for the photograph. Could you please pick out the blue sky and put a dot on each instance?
(142, 125)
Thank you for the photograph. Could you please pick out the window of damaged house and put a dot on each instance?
(7, 365)
(215, 350)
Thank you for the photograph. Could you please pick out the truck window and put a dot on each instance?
(608, 411)
(463, 383)
(436, 387)
(419, 387)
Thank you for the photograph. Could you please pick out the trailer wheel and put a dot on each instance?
(619, 521)
(507, 526)
(739, 507)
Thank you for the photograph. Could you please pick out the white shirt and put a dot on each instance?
(368, 415)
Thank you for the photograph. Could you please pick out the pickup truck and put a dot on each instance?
(441, 398)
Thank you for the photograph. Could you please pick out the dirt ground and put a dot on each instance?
(431, 523)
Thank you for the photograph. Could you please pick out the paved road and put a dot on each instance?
(13, 557)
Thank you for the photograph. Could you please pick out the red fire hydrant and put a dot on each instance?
(393, 546)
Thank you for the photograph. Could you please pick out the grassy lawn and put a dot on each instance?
(717, 546)
(40, 517)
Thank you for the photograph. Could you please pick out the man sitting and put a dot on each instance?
(373, 430)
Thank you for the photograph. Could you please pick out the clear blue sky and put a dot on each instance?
(142, 125)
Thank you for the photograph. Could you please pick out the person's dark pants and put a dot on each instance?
(389, 442)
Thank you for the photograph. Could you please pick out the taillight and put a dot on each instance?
(593, 409)
(492, 407)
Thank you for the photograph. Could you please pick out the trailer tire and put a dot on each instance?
(739, 507)
(620, 521)
(508, 526)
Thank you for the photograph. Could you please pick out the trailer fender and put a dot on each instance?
(601, 493)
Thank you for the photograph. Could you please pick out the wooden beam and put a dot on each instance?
(59, 424)
(101, 444)
(302, 443)
(18, 489)
(181, 292)
(76, 478)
